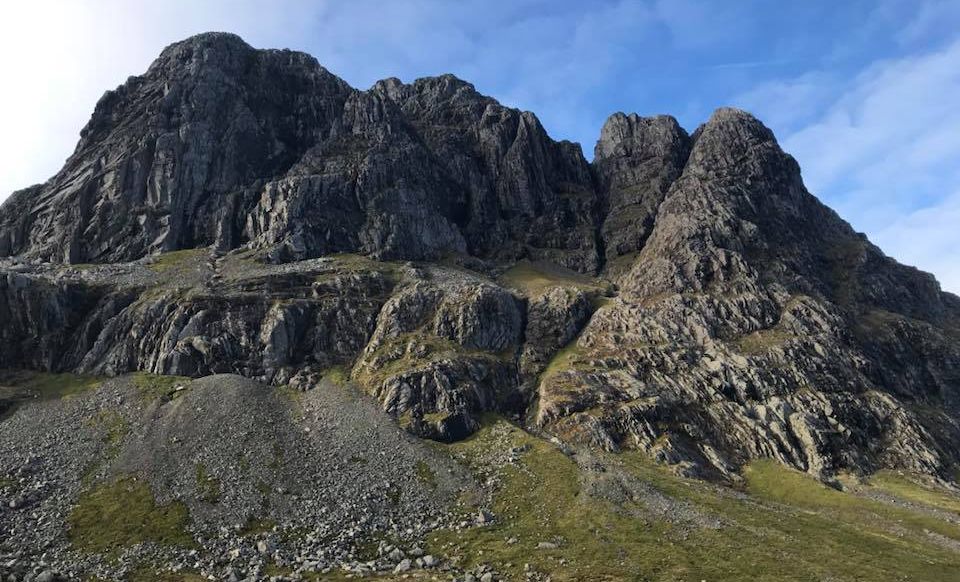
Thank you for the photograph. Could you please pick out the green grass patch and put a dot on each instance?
(425, 474)
(565, 359)
(114, 427)
(618, 266)
(534, 278)
(166, 262)
(209, 488)
(338, 375)
(770, 480)
(762, 341)
(789, 526)
(436, 417)
(158, 387)
(541, 501)
(25, 384)
(412, 351)
(18, 387)
(123, 513)
(908, 488)
(241, 261)
(351, 263)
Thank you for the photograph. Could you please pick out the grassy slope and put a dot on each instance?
(904, 488)
(155, 386)
(169, 261)
(534, 278)
(789, 527)
(47, 386)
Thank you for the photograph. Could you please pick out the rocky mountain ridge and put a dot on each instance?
(243, 211)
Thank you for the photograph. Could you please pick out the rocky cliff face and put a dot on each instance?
(243, 211)
(751, 324)
(220, 144)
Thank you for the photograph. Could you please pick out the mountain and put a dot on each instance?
(220, 144)
(245, 212)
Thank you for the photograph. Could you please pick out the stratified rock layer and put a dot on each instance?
(683, 294)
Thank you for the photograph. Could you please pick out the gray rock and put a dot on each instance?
(721, 334)
(403, 566)
(484, 517)
(636, 161)
(274, 160)
(396, 555)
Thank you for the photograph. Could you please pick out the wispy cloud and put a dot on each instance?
(928, 237)
(881, 147)
(930, 16)
(784, 104)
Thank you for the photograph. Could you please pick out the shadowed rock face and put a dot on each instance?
(683, 294)
(636, 161)
(218, 143)
(167, 156)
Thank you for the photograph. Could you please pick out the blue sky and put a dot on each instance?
(864, 94)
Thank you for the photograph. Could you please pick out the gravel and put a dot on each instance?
(343, 495)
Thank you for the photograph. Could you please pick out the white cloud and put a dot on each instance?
(930, 17)
(881, 148)
(878, 128)
(928, 239)
(785, 103)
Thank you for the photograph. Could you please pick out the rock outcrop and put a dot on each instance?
(751, 325)
(636, 161)
(221, 144)
(246, 212)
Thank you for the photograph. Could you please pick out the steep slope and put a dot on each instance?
(166, 154)
(219, 143)
(247, 212)
(756, 323)
(144, 478)
(636, 161)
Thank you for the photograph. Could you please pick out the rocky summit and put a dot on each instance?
(263, 324)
